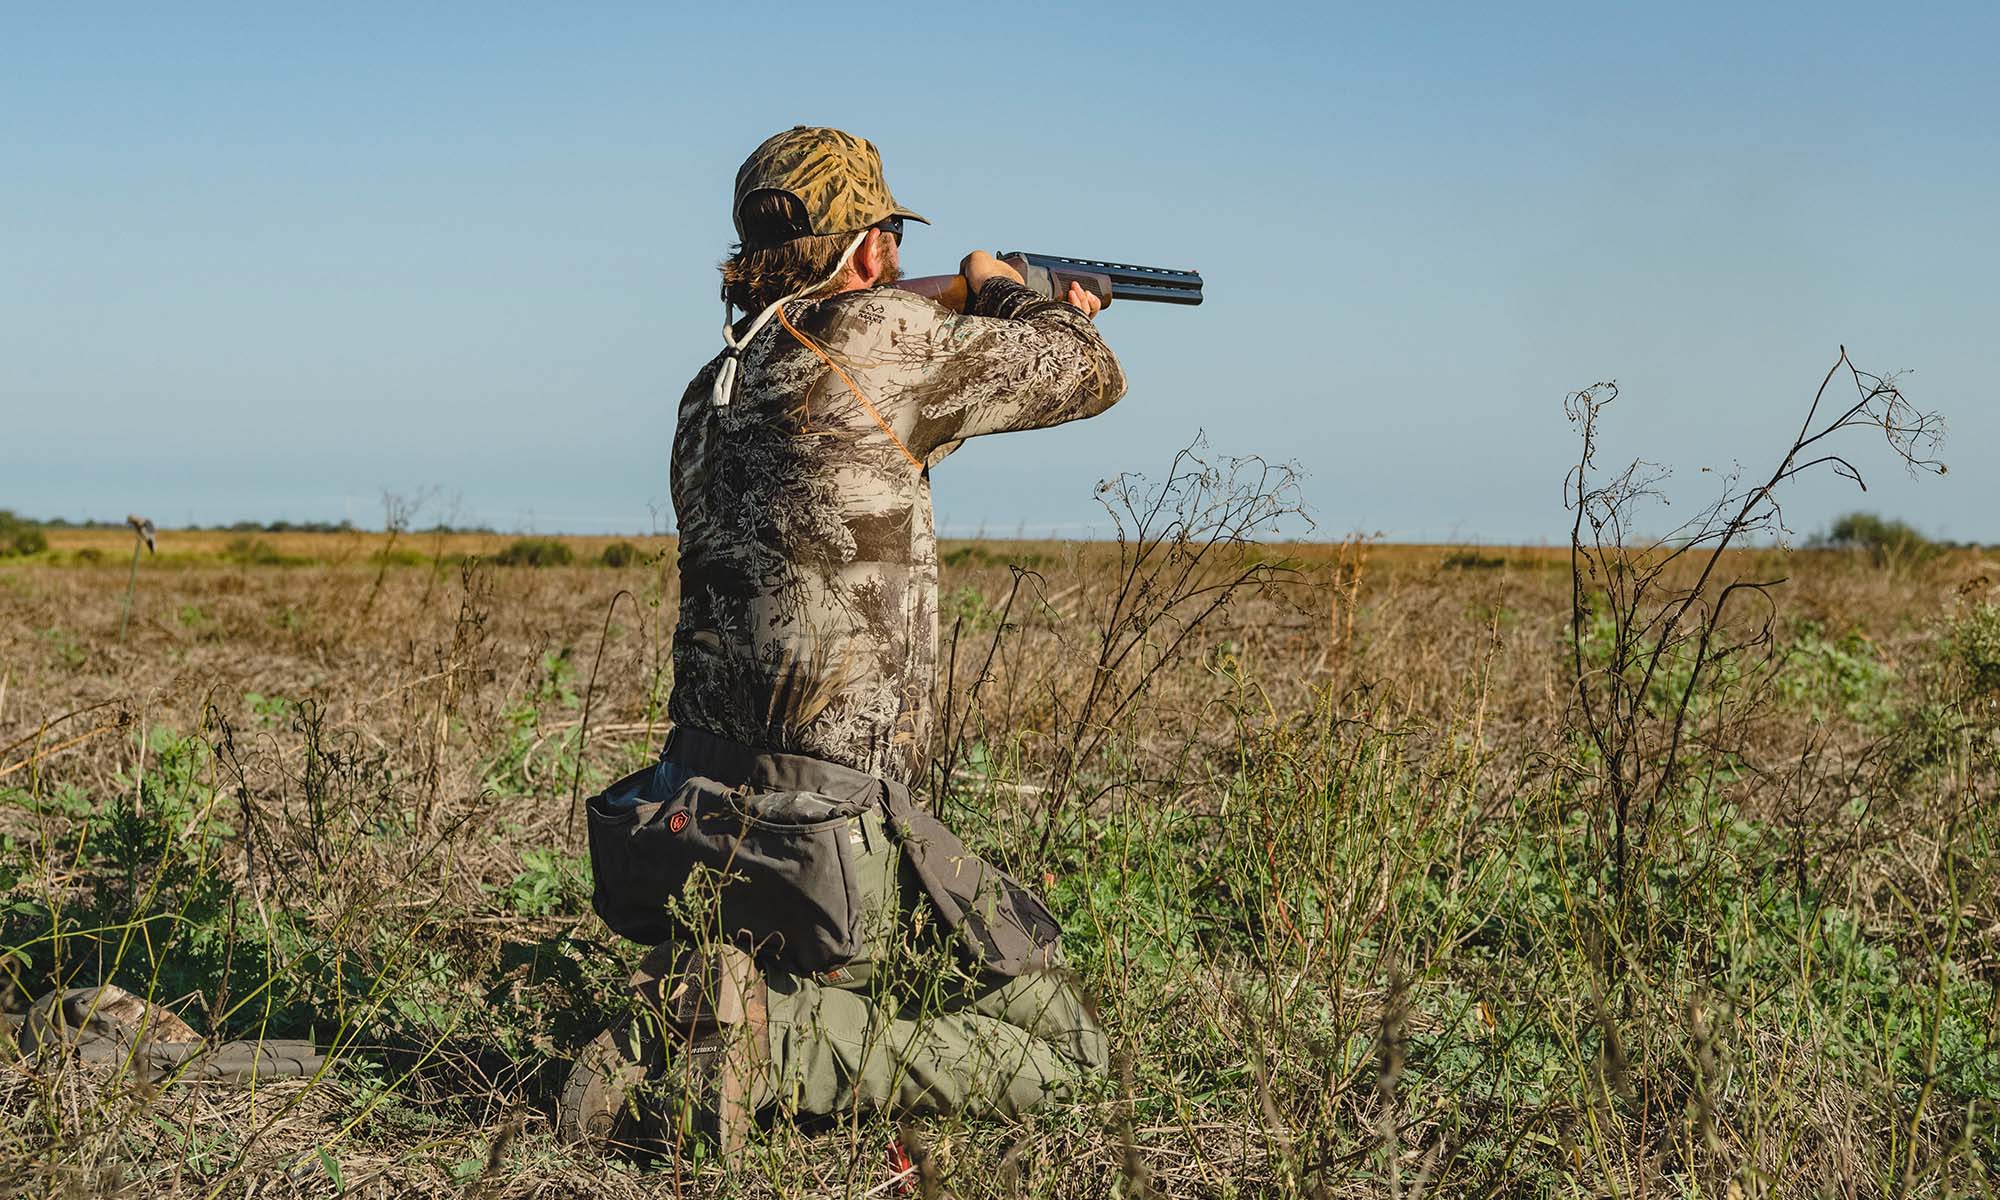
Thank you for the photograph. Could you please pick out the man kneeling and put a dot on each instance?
(824, 945)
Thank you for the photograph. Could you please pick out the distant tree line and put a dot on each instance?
(290, 527)
(339, 527)
(14, 520)
(1884, 539)
(62, 523)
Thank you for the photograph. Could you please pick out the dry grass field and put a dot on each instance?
(1370, 900)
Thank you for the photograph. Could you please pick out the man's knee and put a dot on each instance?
(1051, 1007)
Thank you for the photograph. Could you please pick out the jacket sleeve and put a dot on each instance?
(1016, 361)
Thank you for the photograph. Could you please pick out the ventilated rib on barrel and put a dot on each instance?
(1051, 274)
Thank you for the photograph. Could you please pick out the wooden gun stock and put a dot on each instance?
(948, 290)
(1051, 275)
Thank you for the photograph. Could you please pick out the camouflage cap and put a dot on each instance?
(835, 175)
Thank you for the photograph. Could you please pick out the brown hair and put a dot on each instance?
(775, 258)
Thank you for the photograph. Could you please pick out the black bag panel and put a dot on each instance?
(629, 886)
(788, 890)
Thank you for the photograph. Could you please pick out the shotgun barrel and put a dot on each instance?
(1120, 281)
(1051, 274)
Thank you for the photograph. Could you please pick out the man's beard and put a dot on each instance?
(894, 270)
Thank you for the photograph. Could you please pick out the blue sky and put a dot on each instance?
(270, 260)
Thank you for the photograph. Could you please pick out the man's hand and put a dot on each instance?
(1084, 299)
(981, 267)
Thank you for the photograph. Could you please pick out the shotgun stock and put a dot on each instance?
(1051, 275)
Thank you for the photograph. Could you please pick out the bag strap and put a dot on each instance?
(833, 366)
(930, 848)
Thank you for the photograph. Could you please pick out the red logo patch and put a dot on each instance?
(677, 822)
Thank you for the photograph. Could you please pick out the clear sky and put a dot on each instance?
(271, 260)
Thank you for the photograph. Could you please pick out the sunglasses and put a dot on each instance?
(894, 228)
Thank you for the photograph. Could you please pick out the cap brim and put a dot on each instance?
(899, 211)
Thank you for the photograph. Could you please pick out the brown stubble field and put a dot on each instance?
(1337, 858)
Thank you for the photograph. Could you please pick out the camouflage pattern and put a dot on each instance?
(808, 560)
(835, 175)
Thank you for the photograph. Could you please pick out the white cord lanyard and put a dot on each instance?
(724, 388)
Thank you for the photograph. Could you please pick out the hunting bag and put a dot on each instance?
(808, 860)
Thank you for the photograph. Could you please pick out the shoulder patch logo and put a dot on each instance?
(678, 821)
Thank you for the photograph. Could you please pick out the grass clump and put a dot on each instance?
(619, 554)
(20, 538)
(535, 552)
(1472, 560)
(252, 552)
(1974, 643)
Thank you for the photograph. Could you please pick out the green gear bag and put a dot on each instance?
(788, 888)
(808, 857)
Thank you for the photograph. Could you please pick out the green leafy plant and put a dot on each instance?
(1886, 541)
(549, 881)
(19, 538)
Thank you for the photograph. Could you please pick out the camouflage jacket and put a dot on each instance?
(808, 560)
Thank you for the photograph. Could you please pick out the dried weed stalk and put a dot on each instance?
(1654, 641)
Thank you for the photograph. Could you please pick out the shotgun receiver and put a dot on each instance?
(1051, 275)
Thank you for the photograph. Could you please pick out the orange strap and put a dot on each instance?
(833, 366)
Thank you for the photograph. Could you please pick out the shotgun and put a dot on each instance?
(1051, 275)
